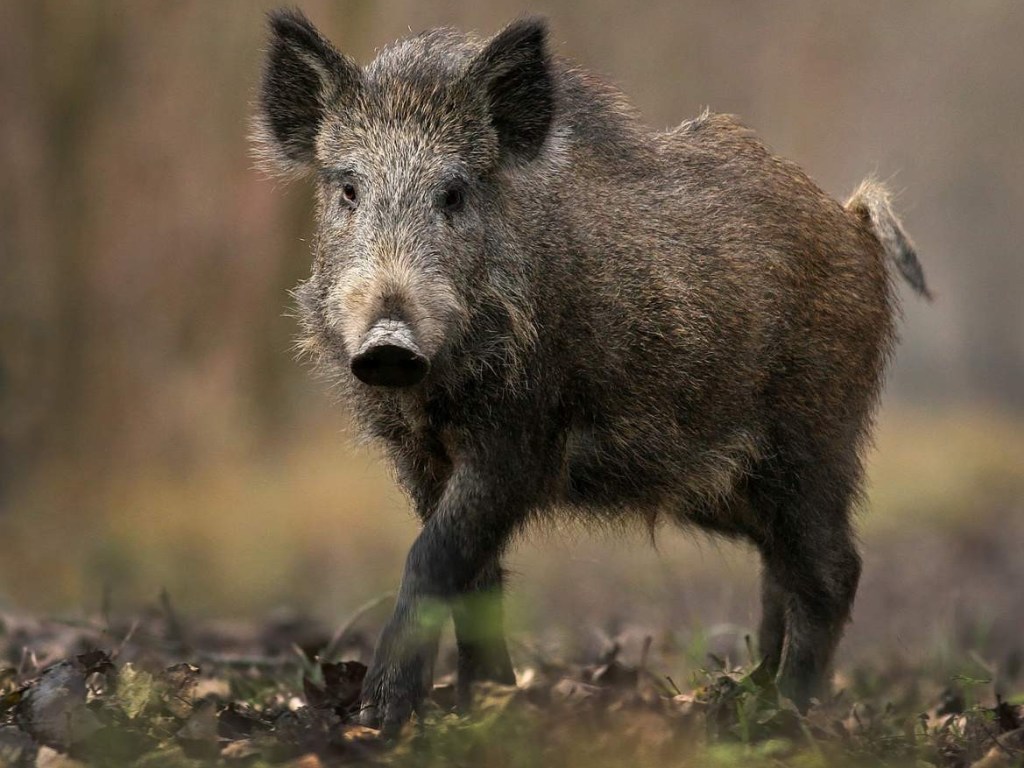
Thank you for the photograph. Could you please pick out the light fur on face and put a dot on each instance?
(395, 283)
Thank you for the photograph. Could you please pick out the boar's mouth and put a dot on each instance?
(389, 356)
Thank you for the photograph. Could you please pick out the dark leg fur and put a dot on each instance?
(821, 591)
(455, 555)
(480, 636)
(811, 572)
(810, 567)
(772, 632)
(478, 615)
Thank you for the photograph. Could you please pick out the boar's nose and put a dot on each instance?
(389, 356)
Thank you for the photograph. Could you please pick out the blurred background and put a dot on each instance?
(157, 433)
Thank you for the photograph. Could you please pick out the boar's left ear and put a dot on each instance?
(303, 76)
(516, 71)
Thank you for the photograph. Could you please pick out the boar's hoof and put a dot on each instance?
(388, 717)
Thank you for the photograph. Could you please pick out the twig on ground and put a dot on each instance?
(340, 636)
(175, 632)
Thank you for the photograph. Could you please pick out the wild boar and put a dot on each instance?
(538, 305)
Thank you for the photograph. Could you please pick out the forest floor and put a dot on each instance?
(626, 654)
(158, 690)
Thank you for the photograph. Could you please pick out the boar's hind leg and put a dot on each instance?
(480, 635)
(811, 574)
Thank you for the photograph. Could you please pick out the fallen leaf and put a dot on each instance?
(213, 687)
(178, 689)
(135, 690)
(53, 710)
(306, 761)
(51, 758)
(239, 750)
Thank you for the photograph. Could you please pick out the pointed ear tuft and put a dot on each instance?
(303, 75)
(516, 71)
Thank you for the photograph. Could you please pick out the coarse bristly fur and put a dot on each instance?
(619, 323)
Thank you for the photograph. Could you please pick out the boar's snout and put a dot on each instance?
(389, 356)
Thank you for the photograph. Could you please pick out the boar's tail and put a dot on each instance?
(873, 204)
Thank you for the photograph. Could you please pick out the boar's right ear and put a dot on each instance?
(303, 76)
(516, 70)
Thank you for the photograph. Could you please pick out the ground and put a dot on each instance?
(627, 654)
(160, 691)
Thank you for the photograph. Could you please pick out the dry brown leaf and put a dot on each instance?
(240, 750)
(360, 733)
(994, 758)
(213, 687)
(306, 761)
(178, 683)
(51, 758)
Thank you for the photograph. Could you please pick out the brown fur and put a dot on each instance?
(620, 323)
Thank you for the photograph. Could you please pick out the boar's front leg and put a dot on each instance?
(481, 506)
(480, 633)
(772, 632)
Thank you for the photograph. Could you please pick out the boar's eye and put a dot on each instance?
(453, 198)
(349, 194)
